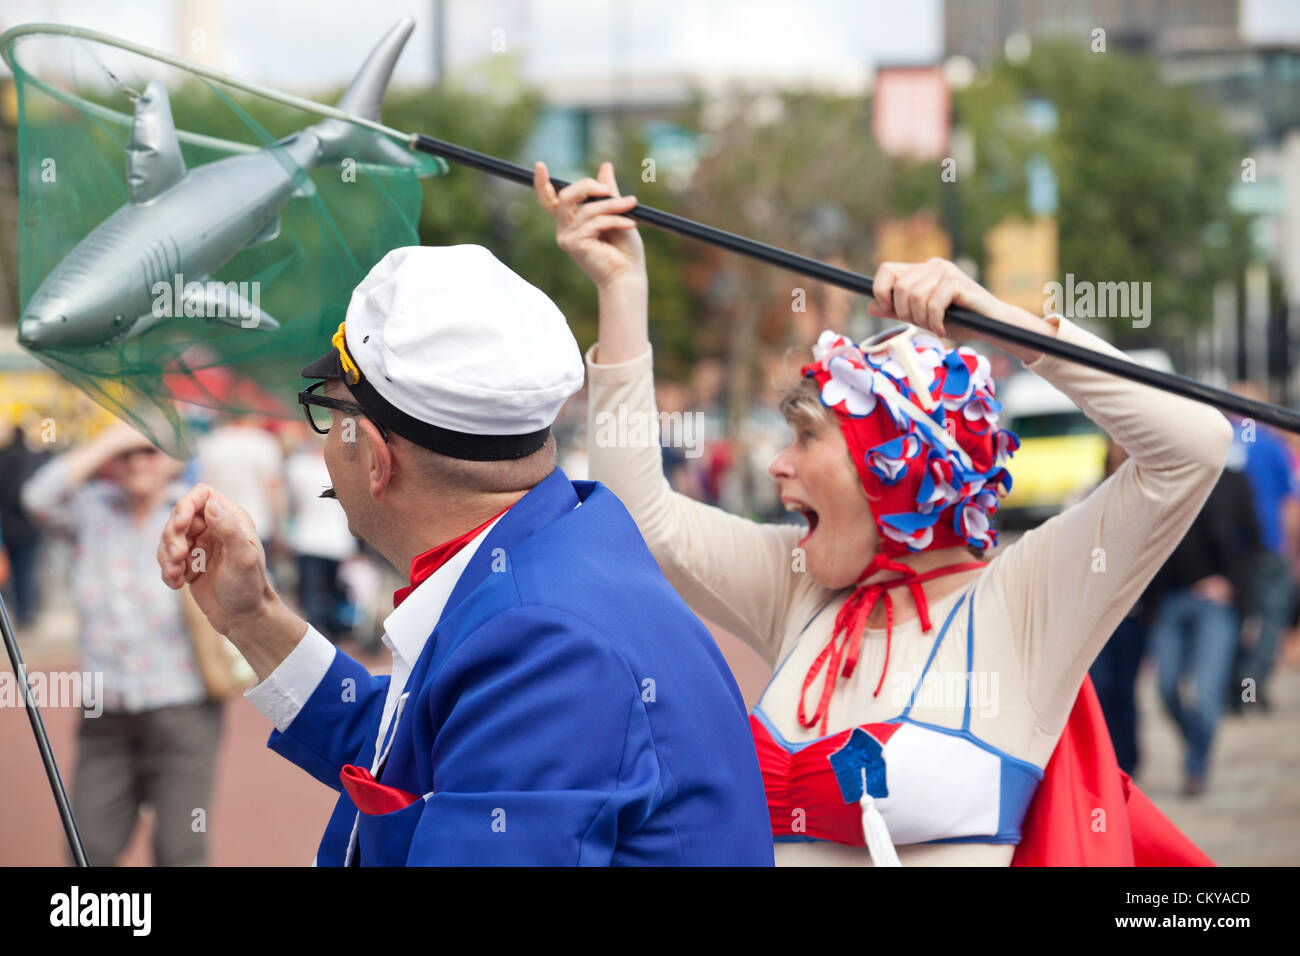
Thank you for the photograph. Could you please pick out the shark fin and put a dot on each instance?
(154, 162)
(365, 93)
(128, 330)
(225, 303)
(340, 139)
(267, 232)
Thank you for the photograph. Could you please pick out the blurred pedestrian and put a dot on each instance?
(1269, 469)
(1203, 594)
(318, 536)
(155, 741)
(22, 537)
(245, 463)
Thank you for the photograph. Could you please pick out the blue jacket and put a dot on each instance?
(568, 708)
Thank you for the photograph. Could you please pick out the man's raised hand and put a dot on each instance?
(211, 544)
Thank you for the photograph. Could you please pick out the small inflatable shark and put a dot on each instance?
(180, 227)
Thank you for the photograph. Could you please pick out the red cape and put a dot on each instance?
(1088, 812)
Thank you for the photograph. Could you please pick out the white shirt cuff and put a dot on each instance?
(281, 695)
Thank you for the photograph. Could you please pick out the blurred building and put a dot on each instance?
(640, 62)
(1230, 54)
(1256, 87)
(980, 29)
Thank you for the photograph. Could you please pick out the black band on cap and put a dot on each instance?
(443, 440)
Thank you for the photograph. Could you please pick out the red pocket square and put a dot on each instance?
(370, 795)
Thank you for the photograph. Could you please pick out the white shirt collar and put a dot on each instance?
(411, 623)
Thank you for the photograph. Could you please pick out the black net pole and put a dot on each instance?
(1275, 415)
(42, 741)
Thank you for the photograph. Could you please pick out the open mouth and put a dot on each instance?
(809, 515)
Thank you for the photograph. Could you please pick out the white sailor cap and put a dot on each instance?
(455, 352)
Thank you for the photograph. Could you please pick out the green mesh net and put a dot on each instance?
(163, 290)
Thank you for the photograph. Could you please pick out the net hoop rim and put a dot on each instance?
(10, 38)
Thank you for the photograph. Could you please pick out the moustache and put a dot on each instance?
(327, 493)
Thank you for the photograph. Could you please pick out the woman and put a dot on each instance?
(154, 735)
(910, 721)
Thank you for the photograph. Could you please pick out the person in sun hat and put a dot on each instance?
(152, 720)
(552, 700)
(928, 706)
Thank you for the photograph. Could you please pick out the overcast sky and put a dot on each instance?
(304, 45)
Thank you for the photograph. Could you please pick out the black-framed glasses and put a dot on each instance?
(307, 399)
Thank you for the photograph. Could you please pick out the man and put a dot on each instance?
(552, 700)
(156, 740)
(318, 536)
(1274, 491)
(1202, 595)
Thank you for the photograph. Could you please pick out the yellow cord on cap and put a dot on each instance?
(350, 369)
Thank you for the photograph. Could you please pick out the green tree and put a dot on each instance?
(797, 170)
(1143, 171)
(489, 110)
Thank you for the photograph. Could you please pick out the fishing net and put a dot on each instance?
(172, 292)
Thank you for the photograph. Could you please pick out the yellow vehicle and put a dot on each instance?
(1062, 454)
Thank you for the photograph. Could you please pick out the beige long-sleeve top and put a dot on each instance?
(1043, 608)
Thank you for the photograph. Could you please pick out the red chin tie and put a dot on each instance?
(846, 640)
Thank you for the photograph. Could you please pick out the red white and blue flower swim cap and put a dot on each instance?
(920, 421)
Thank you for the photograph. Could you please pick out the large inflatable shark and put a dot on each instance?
(181, 226)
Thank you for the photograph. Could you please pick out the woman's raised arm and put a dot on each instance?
(1075, 577)
(739, 574)
(607, 247)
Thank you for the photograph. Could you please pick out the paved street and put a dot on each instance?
(267, 812)
(1250, 813)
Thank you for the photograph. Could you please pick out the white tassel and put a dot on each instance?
(876, 830)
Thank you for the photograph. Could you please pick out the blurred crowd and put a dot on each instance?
(706, 455)
(274, 468)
